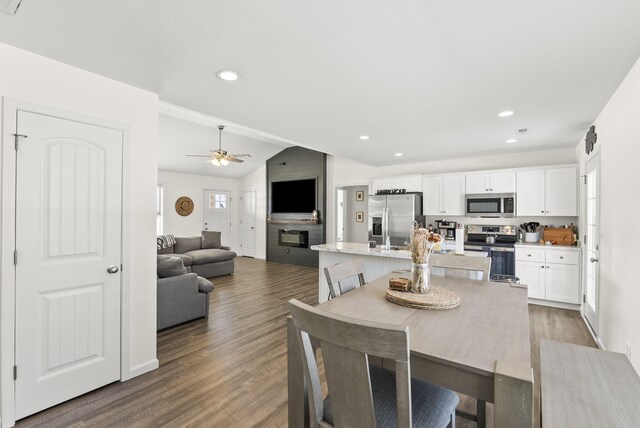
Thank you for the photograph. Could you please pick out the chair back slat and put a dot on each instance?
(346, 344)
(349, 386)
(342, 277)
(460, 266)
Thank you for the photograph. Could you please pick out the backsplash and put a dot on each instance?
(545, 221)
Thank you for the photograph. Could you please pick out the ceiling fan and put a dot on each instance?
(221, 157)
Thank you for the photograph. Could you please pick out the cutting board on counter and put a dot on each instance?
(558, 235)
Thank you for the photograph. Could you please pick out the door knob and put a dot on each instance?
(593, 260)
(113, 269)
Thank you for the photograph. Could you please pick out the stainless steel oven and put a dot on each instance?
(491, 205)
(502, 250)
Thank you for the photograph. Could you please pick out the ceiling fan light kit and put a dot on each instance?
(221, 157)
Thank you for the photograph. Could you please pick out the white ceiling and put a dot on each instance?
(179, 137)
(422, 77)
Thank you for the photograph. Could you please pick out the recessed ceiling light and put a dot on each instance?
(398, 155)
(228, 75)
(505, 113)
(364, 137)
(513, 140)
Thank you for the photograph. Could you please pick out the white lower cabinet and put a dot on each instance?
(550, 274)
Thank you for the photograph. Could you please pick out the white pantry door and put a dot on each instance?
(217, 214)
(248, 223)
(68, 233)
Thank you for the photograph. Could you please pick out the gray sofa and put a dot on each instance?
(181, 296)
(206, 262)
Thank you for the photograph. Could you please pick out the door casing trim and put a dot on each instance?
(11, 107)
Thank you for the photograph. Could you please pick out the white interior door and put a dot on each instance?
(248, 222)
(217, 214)
(592, 288)
(68, 233)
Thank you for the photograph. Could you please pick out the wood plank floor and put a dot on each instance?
(230, 370)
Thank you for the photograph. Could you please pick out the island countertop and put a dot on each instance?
(377, 262)
(361, 249)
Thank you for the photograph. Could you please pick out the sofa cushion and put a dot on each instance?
(168, 250)
(184, 245)
(201, 257)
(186, 259)
(204, 285)
(211, 239)
(169, 266)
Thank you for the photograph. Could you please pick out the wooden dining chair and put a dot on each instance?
(360, 394)
(461, 266)
(345, 277)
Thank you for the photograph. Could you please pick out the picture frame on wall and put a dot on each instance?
(359, 195)
(359, 216)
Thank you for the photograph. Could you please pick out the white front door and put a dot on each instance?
(68, 233)
(248, 223)
(217, 214)
(592, 288)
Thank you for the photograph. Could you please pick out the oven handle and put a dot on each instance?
(503, 249)
(472, 248)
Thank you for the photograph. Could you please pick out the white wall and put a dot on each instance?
(36, 79)
(177, 184)
(619, 147)
(355, 231)
(345, 172)
(257, 181)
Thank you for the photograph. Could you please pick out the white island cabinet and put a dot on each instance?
(551, 273)
(377, 262)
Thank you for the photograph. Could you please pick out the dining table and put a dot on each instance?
(480, 348)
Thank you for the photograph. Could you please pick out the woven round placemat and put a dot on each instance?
(436, 299)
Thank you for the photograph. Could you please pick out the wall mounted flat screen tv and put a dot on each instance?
(296, 196)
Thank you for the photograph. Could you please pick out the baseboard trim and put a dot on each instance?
(593, 334)
(141, 369)
(554, 304)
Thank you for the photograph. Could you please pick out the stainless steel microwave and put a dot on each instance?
(491, 205)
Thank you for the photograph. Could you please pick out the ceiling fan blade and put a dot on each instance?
(199, 156)
(240, 155)
(232, 159)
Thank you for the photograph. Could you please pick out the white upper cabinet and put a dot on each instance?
(443, 195)
(502, 182)
(432, 196)
(561, 185)
(411, 183)
(550, 191)
(491, 182)
(453, 192)
(530, 193)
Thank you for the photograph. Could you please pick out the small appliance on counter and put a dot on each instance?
(447, 229)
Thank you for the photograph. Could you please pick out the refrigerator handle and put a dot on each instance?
(384, 224)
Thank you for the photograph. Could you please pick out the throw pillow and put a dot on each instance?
(211, 239)
(170, 266)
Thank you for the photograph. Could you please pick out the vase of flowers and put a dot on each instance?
(421, 246)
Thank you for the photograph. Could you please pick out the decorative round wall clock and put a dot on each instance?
(184, 206)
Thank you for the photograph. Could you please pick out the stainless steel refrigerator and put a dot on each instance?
(393, 216)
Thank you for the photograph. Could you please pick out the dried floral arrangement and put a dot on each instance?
(422, 243)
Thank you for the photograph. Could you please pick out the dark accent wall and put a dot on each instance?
(296, 163)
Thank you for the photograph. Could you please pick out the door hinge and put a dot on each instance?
(15, 372)
(15, 257)
(584, 298)
(584, 239)
(17, 139)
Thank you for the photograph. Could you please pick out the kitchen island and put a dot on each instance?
(377, 262)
